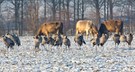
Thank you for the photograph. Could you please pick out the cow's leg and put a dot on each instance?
(57, 32)
(91, 34)
(47, 34)
(76, 33)
(87, 33)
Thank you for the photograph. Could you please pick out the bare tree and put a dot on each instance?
(16, 4)
(54, 9)
(0, 6)
(78, 1)
(82, 9)
(74, 11)
(111, 9)
(26, 12)
(21, 23)
(1, 20)
(67, 12)
(59, 10)
(97, 4)
(45, 2)
(33, 11)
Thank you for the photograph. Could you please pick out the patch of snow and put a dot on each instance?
(57, 59)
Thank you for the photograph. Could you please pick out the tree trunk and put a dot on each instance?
(16, 15)
(67, 13)
(111, 9)
(59, 10)
(0, 9)
(107, 9)
(129, 15)
(54, 10)
(1, 1)
(45, 10)
(78, 9)
(104, 9)
(74, 11)
(97, 11)
(21, 26)
(64, 9)
(82, 9)
(37, 15)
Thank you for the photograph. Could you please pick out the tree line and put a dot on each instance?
(25, 16)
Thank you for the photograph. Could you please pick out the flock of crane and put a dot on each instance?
(79, 39)
(116, 38)
(57, 40)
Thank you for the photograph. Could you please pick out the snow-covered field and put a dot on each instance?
(26, 59)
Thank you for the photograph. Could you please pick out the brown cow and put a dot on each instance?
(111, 26)
(50, 27)
(85, 26)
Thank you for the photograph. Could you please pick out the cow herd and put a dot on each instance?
(51, 33)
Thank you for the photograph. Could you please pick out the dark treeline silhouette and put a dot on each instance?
(25, 16)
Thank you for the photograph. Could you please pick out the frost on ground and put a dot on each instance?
(59, 59)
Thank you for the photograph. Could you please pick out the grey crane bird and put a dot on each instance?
(9, 36)
(51, 41)
(45, 40)
(37, 41)
(8, 42)
(103, 39)
(79, 40)
(58, 40)
(116, 39)
(129, 39)
(66, 41)
(123, 38)
(16, 39)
